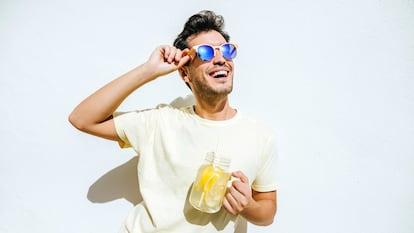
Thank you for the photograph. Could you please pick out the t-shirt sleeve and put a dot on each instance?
(135, 128)
(123, 123)
(267, 177)
(138, 128)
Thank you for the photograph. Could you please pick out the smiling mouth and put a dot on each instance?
(219, 74)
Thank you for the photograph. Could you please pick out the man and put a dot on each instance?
(172, 142)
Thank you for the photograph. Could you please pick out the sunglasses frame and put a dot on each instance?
(196, 47)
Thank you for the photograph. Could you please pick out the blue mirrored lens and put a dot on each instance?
(205, 52)
(229, 51)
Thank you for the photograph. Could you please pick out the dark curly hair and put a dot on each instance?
(203, 21)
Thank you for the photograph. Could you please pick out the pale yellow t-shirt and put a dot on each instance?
(172, 144)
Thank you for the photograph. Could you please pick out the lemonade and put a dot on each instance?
(210, 185)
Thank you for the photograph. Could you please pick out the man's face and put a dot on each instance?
(210, 79)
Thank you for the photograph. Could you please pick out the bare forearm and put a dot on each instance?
(93, 114)
(100, 105)
(261, 212)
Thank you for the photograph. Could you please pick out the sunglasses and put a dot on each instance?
(207, 52)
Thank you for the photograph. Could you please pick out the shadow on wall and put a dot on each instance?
(120, 182)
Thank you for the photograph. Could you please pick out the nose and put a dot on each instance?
(218, 57)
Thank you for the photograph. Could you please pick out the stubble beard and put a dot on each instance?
(206, 92)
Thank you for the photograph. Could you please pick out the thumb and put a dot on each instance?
(184, 61)
(242, 177)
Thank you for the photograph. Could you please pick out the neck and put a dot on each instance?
(218, 111)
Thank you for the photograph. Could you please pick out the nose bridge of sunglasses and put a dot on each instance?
(214, 49)
(221, 50)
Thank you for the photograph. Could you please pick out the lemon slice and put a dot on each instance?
(216, 191)
(210, 182)
(208, 178)
(206, 175)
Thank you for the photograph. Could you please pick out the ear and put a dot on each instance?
(183, 73)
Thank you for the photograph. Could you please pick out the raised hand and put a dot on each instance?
(166, 59)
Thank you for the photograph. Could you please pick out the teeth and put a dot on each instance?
(218, 73)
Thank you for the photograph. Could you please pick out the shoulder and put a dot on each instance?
(160, 109)
(171, 110)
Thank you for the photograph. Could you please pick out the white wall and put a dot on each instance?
(334, 78)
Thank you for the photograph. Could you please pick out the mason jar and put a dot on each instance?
(210, 184)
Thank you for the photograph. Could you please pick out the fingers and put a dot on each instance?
(171, 54)
(166, 59)
(185, 58)
(175, 55)
(228, 206)
(243, 178)
(235, 201)
(239, 194)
